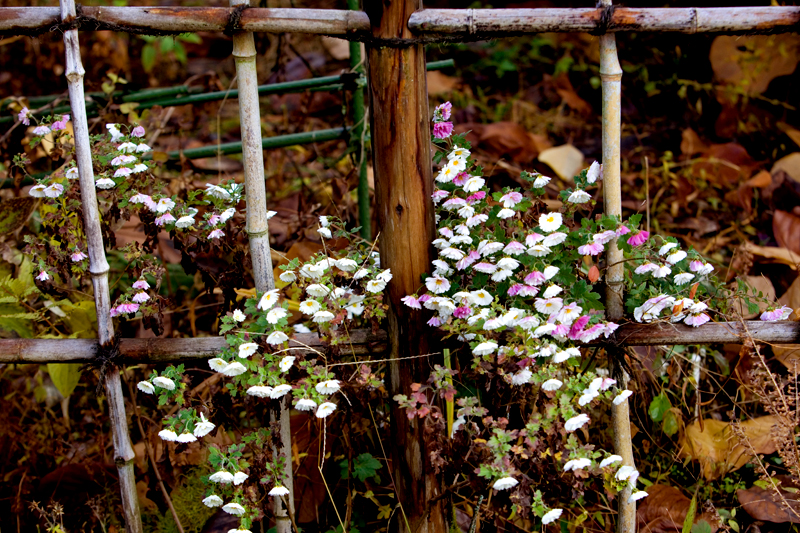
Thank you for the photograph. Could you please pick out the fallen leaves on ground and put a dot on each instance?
(665, 509)
(786, 228)
(779, 255)
(718, 451)
(770, 505)
(752, 62)
(505, 139)
(565, 160)
(755, 284)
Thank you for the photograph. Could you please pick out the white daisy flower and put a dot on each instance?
(667, 247)
(622, 396)
(276, 314)
(551, 516)
(186, 437)
(233, 508)
(239, 316)
(579, 197)
(482, 298)
(305, 405)
(320, 317)
(221, 477)
(164, 383)
(146, 387)
(325, 409)
(239, 478)
(260, 391)
(269, 299)
(318, 291)
(203, 428)
(550, 222)
(683, 278)
(234, 369)
(551, 385)
(576, 422)
(217, 364)
(505, 483)
(328, 387)
(610, 460)
(168, 435)
(594, 172)
(280, 391)
(279, 490)
(485, 348)
(247, 349)
(212, 501)
(286, 363)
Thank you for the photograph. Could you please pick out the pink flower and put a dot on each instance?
(140, 297)
(604, 237)
(43, 276)
(127, 308)
(577, 327)
(411, 302)
(123, 172)
(511, 199)
(461, 178)
(592, 333)
(213, 220)
(468, 259)
(515, 289)
(593, 248)
(486, 268)
(462, 312)
(535, 278)
(142, 284)
(782, 313)
(138, 131)
(424, 298)
(514, 248)
(442, 130)
(610, 328)
(216, 234)
(560, 331)
(528, 290)
(638, 238)
(533, 239)
(78, 256)
(622, 230)
(444, 110)
(60, 124)
(477, 197)
(435, 322)
(697, 320)
(24, 116)
(166, 218)
(454, 203)
(41, 130)
(439, 195)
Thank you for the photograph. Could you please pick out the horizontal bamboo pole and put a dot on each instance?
(149, 20)
(492, 23)
(153, 351)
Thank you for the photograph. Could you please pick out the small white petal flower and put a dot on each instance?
(217, 364)
(610, 460)
(103, 183)
(164, 383)
(551, 385)
(277, 337)
(626, 472)
(485, 348)
(212, 501)
(305, 405)
(276, 314)
(233, 508)
(683, 278)
(550, 222)
(286, 363)
(522, 377)
(577, 464)
(622, 396)
(324, 232)
(279, 490)
(269, 299)
(247, 349)
(239, 316)
(280, 391)
(325, 409)
(168, 435)
(234, 369)
(260, 391)
(185, 222)
(328, 387)
(146, 387)
(186, 437)
(677, 257)
(593, 173)
(576, 422)
(667, 247)
(551, 516)
(321, 317)
(579, 197)
(375, 286)
(318, 291)
(288, 276)
(239, 478)
(636, 496)
(505, 483)
(203, 428)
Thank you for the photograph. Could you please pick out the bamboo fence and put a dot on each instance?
(394, 34)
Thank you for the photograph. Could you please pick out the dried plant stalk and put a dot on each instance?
(98, 267)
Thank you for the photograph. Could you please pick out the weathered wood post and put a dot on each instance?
(611, 76)
(244, 53)
(98, 267)
(401, 151)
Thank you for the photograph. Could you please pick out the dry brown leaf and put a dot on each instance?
(780, 255)
(565, 160)
(760, 284)
(508, 139)
(339, 49)
(760, 180)
(752, 62)
(717, 449)
(439, 83)
(790, 132)
(789, 354)
(789, 164)
(786, 228)
(768, 505)
(665, 509)
(569, 96)
(724, 163)
(691, 143)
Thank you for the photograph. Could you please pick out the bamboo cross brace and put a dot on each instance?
(98, 267)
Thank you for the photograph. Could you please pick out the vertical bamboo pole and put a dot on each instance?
(401, 155)
(358, 133)
(611, 76)
(244, 52)
(98, 267)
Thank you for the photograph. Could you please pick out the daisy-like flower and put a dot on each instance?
(126, 148)
(269, 299)
(277, 337)
(276, 314)
(579, 197)
(457, 153)
(168, 435)
(140, 297)
(539, 250)
(505, 483)
(437, 285)
(146, 387)
(54, 190)
(411, 301)
(41, 131)
(442, 130)
(521, 377)
(667, 247)
(482, 297)
(203, 428)
(638, 238)
(487, 248)
(587, 397)
(279, 490)
(622, 396)
(696, 320)
(540, 181)
(234, 369)
(185, 222)
(551, 516)
(318, 291)
(677, 257)
(476, 220)
(286, 363)
(439, 195)
(260, 391)
(552, 290)
(514, 248)
(554, 239)
(105, 183)
(216, 234)
(247, 349)
(280, 391)
(164, 383)
(475, 183)
(61, 124)
(305, 405)
(375, 285)
(551, 385)
(683, 278)
(239, 478)
(167, 218)
(594, 172)
(610, 460)
(288, 276)
(576, 422)
(138, 131)
(328, 387)
(626, 473)
(77, 256)
(113, 129)
(781, 313)
(233, 508)
(502, 274)
(324, 232)
(123, 172)
(446, 175)
(485, 348)
(72, 173)
(593, 248)
(486, 268)
(309, 307)
(222, 476)
(577, 464)
(320, 317)
(186, 437)
(604, 237)
(662, 272)
(548, 306)
(212, 501)
(550, 222)
(217, 364)
(636, 496)
(142, 148)
(325, 409)
(511, 199)
(24, 116)
(238, 315)
(509, 263)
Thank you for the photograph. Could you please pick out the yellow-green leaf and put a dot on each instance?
(65, 376)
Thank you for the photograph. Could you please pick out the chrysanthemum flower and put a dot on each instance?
(375, 286)
(593, 248)
(437, 285)
(203, 428)
(638, 238)
(212, 501)
(636, 496)
(305, 405)
(551, 516)
(277, 337)
(269, 299)
(485, 348)
(164, 383)
(622, 396)
(238, 315)
(247, 349)
(473, 184)
(683, 278)
(594, 172)
(105, 183)
(328, 387)
(610, 460)
(168, 435)
(279, 490)
(260, 391)
(781, 313)
(625, 472)
(318, 291)
(325, 409)
(234, 369)
(550, 222)
(676, 257)
(239, 478)
(579, 197)
(576, 422)
(276, 314)
(280, 391)
(505, 483)
(482, 297)
(185, 438)
(577, 464)
(217, 364)
(521, 377)
(548, 306)
(552, 385)
(321, 317)
(233, 508)
(146, 387)
(140, 297)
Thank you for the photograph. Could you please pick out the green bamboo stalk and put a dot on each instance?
(357, 136)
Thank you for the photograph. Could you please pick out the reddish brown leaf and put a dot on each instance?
(691, 143)
(694, 290)
(665, 509)
(786, 228)
(594, 274)
(768, 505)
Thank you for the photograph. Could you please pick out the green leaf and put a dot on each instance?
(190, 38)
(167, 44)
(148, 57)
(658, 407)
(65, 377)
(670, 423)
(15, 213)
(701, 527)
(180, 52)
(689, 520)
(365, 466)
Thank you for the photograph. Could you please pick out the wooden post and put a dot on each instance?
(244, 52)
(401, 151)
(98, 267)
(611, 76)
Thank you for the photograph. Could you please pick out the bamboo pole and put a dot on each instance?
(472, 24)
(611, 76)
(244, 51)
(174, 20)
(401, 155)
(358, 138)
(98, 267)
